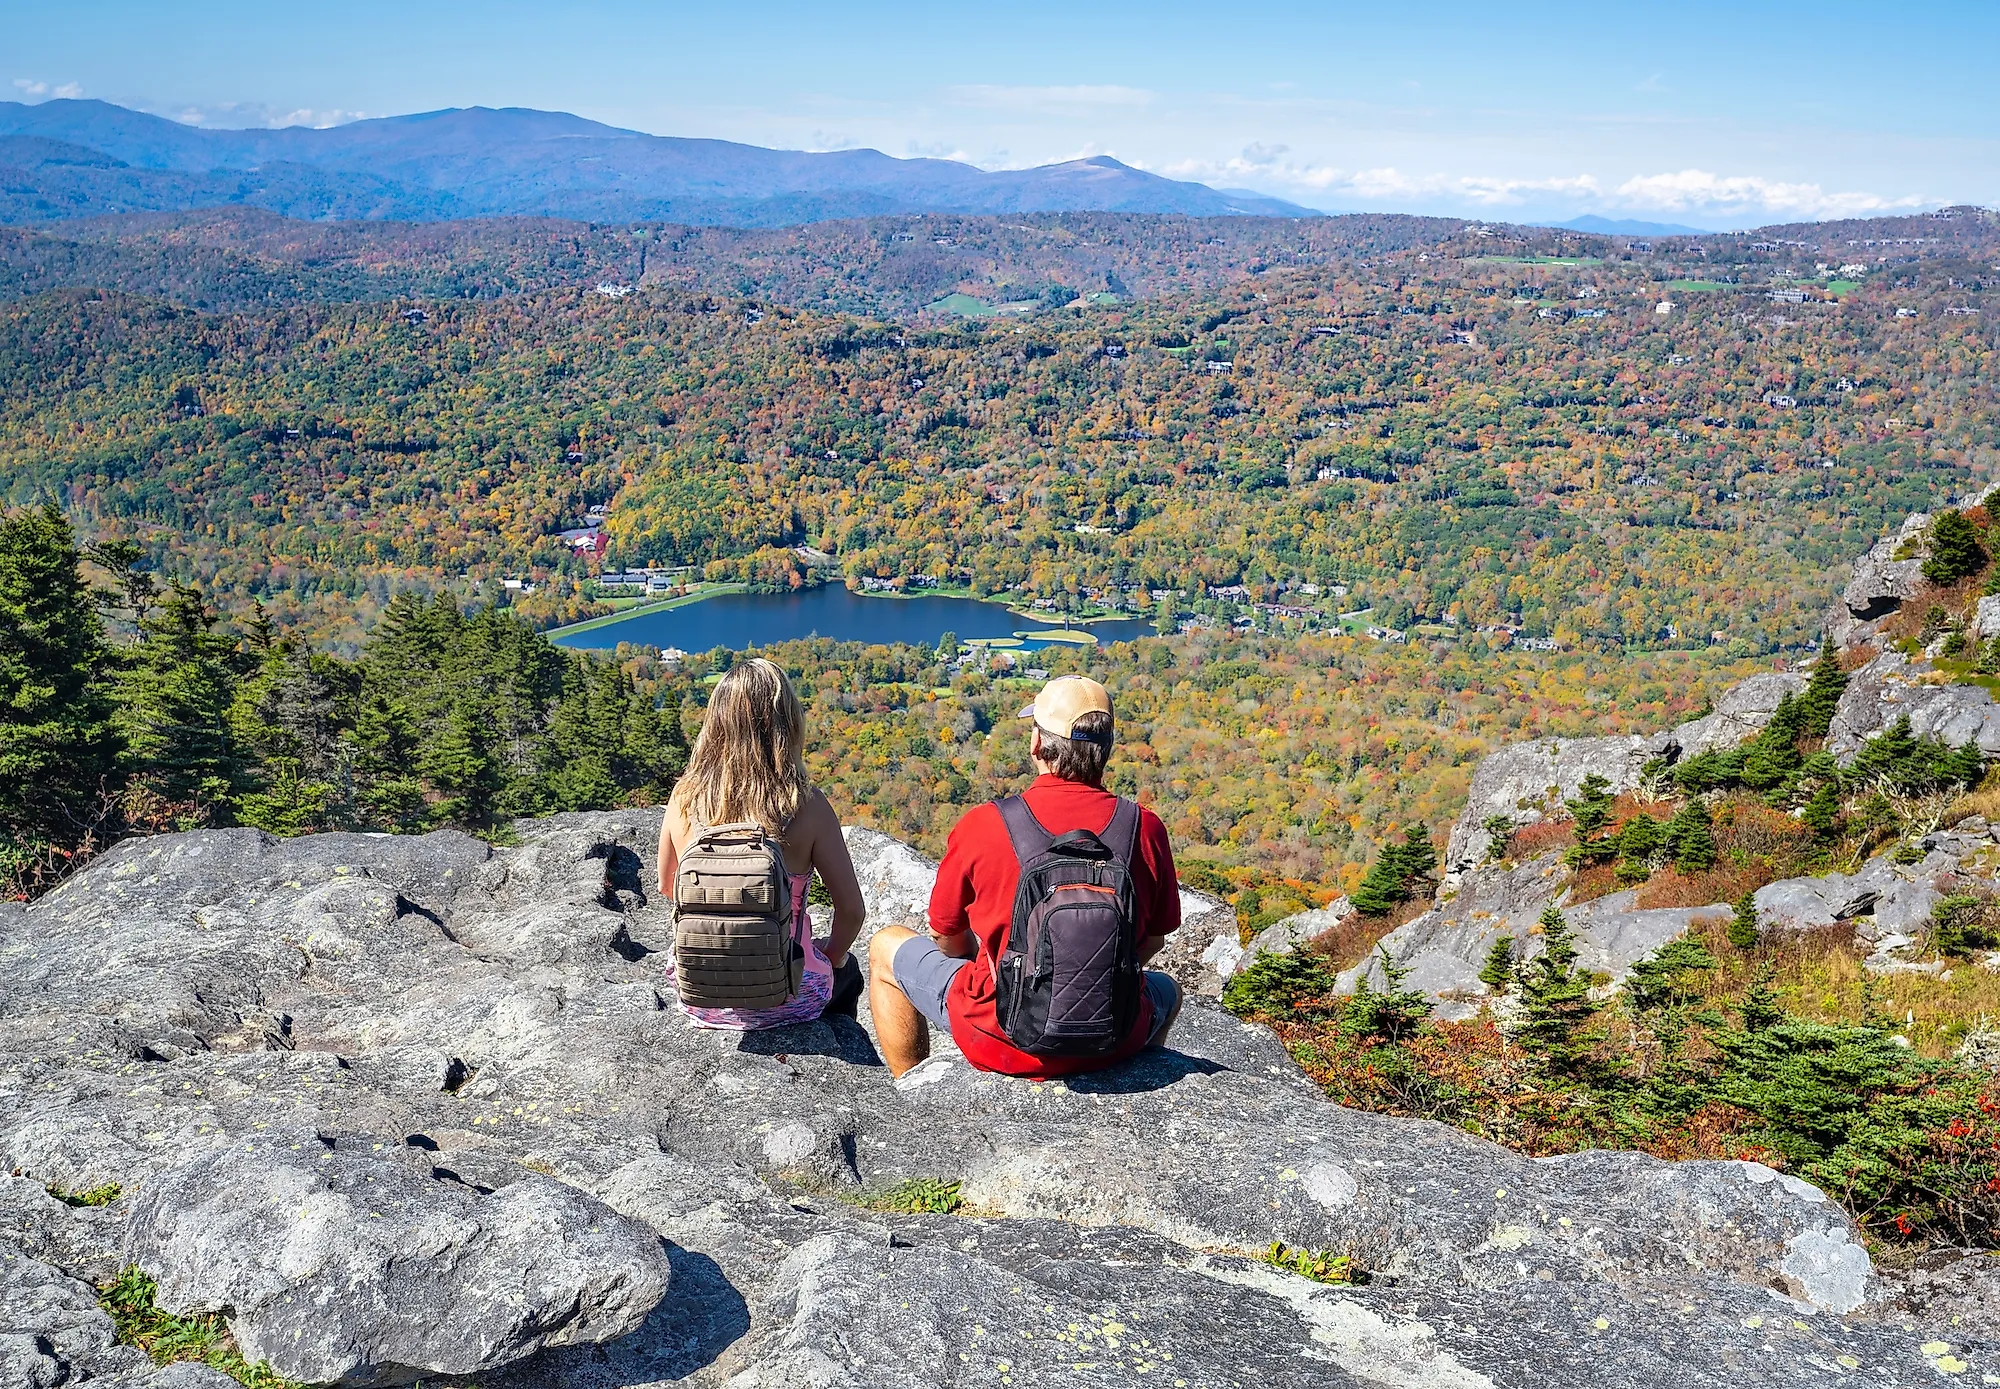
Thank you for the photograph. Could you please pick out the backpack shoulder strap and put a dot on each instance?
(1121, 836)
(1031, 841)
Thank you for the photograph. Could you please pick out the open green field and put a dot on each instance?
(1065, 637)
(1696, 286)
(963, 305)
(1540, 260)
(1839, 289)
(628, 607)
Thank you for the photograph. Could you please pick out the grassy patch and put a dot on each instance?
(90, 1196)
(167, 1338)
(1315, 1264)
(918, 1196)
(1697, 286)
(964, 305)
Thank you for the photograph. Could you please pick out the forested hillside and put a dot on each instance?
(1463, 433)
(1443, 432)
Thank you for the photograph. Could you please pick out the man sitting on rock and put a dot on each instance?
(1046, 906)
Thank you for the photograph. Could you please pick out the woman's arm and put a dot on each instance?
(670, 861)
(836, 870)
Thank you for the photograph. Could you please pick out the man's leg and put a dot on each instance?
(900, 1030)
(1159, 985)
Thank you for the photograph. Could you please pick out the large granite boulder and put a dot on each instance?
(337, 1267)
(1528, 782)
(1446, 946)
(573, 1187)
(1742, 712)
(1880, 582)
(1891, 686)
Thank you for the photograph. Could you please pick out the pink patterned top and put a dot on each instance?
(815, 989)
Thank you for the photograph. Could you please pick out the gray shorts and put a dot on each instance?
(924, 974)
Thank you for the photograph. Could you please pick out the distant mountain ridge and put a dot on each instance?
(68, 159)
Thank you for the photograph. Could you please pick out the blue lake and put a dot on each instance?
(740, 621)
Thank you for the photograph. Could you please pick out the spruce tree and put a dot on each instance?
(1658, 982)
(58, 747)
(1955, 549)
(1823, 690)
(1592, 807)
(1556, 1007)
(1691, 838)
(1822, 813)
(174, 696)
(1761, 1010)
(1743, 930)
(1498, 971)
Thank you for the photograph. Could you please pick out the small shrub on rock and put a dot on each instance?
(1289, 985)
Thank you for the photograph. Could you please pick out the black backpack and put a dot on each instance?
(1069, 982)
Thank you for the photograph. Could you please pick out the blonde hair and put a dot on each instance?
(748, 761)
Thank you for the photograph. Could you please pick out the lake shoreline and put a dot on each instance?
(733, 616)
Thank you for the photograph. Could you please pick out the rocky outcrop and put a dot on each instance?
(1529, 781)
(400, 1106)
(1880, 582)
(1891, 686)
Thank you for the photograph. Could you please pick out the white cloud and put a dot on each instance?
(35, 90)
(1054, 100)
(1697, 190)
(252, 115)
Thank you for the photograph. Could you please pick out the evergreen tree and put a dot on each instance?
(174, 696)
(1592, 807)
(1498, 971)
(1391, 1013)
(1293, 985)
(1822, 812)
(1743, 930)
(1955, 549)
(1659, 981)
(1760, 1001)
(1387, 882)
(1823, 690)
(1639, 838)
(1165, 621)
(1690, 838)
(58, 747)
(1556, 1007)
(1772, 758)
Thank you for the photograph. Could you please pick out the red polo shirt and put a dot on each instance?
(975, 891)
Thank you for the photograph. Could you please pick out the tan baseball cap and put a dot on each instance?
(1066, 699)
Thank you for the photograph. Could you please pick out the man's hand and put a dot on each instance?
(1151, 946)
(960, 945)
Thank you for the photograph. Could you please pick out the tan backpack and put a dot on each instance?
(733, 941)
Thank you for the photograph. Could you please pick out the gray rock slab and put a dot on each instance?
(52, 1332)
(1891, 686)
(535, 1113)
(1742, 711)
(337, 1268)
(1529, 781)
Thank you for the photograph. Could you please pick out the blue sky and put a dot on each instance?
(1709, 114)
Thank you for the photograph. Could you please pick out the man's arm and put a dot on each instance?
(1161, 914)
(951, 896)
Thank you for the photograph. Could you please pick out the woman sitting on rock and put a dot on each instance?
(743, 835)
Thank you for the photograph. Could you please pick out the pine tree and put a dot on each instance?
(1388, 880)
(1392, 1012)
(1690, 838)
(1955, 549)
(1498, 971)
(1556, 1007)
(1658, 982)
(1823, 690)
(1743, 929)
(58, 747)
(1822, 812)
(1761, 1010)
(174, 696)
(1592, 807)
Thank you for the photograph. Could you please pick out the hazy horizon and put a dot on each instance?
(1712, 117)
